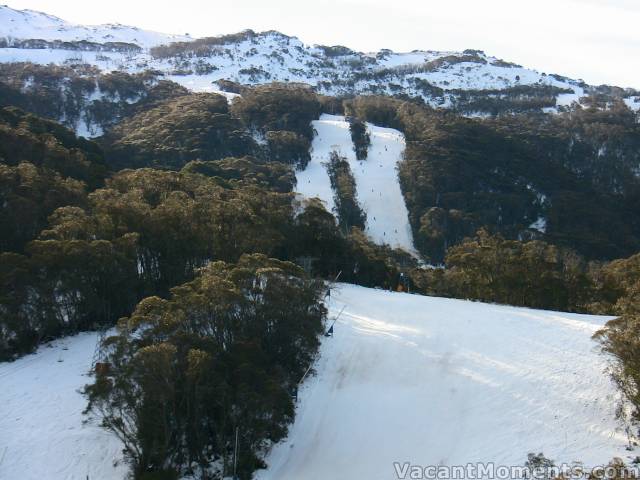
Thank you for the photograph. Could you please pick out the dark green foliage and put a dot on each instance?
(575, 169)
(37, 89)
(145, 232)
(619, 284)
(316, 237)
(360, 138)
(278, 106)
(516, 99)
(184, 220)
(25, 137)
(288, 147)
(331, 105)
(20, 328)
(28, 195)
(190, 127)
(325, 250)
(80, 95)
(533, 274)
(230, 86)
(343, 183)
(373, 265)
(336, 51)
(381, 111)
(223, 352)
(282, 114)
(43, 166)
(475, 56)
(246, 171)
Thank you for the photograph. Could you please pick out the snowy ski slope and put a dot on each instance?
(405, 378)
(378, 189)
(42, 431)
(434, 381)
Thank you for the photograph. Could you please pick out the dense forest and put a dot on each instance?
(180, 225)
(576, 170)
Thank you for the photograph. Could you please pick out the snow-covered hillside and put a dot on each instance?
(43, 433)
(435, 381)
(378, 189)
(405, 378)
(255, 58)
(30, 25)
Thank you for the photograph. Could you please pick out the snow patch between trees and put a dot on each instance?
(378, 187)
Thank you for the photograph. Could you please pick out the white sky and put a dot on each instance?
(596, 40)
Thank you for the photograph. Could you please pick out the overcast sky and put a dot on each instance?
(596, 40)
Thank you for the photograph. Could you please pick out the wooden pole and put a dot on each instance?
(235, 457)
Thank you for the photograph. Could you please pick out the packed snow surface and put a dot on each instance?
(405, 378)
(378, 188)
(434, 381)
(43, 433)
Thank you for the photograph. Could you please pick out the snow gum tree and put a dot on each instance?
(222, 353)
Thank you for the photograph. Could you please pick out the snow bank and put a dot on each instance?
(434, 381)
(43, 434)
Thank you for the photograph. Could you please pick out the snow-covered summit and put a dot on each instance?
(30, 25)
(470, 82)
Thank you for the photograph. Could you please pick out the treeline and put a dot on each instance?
(271, 123)
(533, 274)
(282, 114)
(516, 99)
(189, 127)
(78, 45)
(216, 363)
(80, 94)
(82, 245)
(574, 170)
(143, 233)
(621, 337)
(214, 334)
(204, 47)
(343, 184)
(360, 138)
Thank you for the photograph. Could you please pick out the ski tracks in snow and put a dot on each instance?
(378, 187)
(436, 381)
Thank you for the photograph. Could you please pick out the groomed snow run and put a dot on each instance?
(434, 381)
(378, 188)
(405, 378)
(43, 433)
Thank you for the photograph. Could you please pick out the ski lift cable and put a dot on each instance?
(337, 316)
(313, 362)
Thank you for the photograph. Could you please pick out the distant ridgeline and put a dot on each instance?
(81, 45)
(470, 82)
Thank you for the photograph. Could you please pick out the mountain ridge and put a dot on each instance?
(442, 79)
(30, 24)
